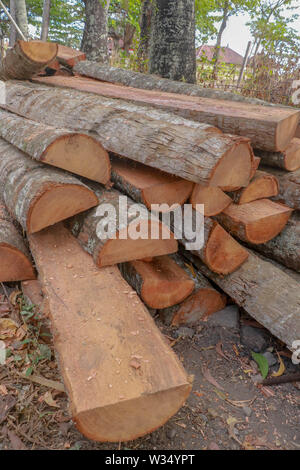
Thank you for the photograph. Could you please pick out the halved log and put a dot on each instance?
(26, 59)
(160, 283)
(69, 56)
(297, 133)
(265, 291)
(122, 379)
(288, 159)
(213, 199)
(148, 185)
(203, 301)
(256, 163)
(285, 248)
(38, 196)
(126, 233)
(263, 185)
(289, 187)
(199, 154)
(255, 222)
(220, 252)
(78, 153)
(15, 264)
(270, 128)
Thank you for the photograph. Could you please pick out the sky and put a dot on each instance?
(237, 34)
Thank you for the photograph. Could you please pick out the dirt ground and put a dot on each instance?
(227, 409)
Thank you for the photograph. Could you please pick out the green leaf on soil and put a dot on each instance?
(262, 363)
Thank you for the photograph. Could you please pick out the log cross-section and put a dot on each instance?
(38, 196)
(263, 185)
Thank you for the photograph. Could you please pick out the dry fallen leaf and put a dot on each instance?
(8, 328)
(47, 398)
(3, 390)
(16, 443)
(210, 378)
(13, 298)
(220, 352)
(281, 369)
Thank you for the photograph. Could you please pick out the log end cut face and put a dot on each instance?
(223, 254)
(262, 186)
(198, 306)
(212, 197)
(286, 130)
(80, 154)
(130, 419)
(153, 239)
(57, 203)
(39, 51)
(14, 265)
(234, 168)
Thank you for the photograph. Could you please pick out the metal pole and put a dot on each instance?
(13, 21)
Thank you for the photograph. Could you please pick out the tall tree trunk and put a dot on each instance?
(172, 51)
(12, 30)
(21, 16)
(46, 20)
(144, 44)
(216, 55)
(94, 41)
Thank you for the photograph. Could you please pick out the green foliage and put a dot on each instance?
(262, 363)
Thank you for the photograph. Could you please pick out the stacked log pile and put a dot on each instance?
(115, 164)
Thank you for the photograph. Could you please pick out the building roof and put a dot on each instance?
(227, 55)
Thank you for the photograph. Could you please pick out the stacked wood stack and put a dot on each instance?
(100, 156)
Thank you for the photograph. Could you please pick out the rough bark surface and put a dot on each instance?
(118, 390)
(289, 187)
(58, 147)
(24, 182)
(112, 244)
(94, 41)
(145, 33)
(192, 153)
(203, 301)
(18, 65)
(267, 293)
(289, 159)
(285, 248)
(15, 264)
(172, 48)
(269, 128)
(45, 20)
(21, 16)
(12, 29)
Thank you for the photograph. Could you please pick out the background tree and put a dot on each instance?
(172, 50)
(145, 34)
(46, 20)
(95, 34)
(21, 16)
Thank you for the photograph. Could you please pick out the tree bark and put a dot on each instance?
(270, 129)
(289, 187)
(15, 259)
(122, 379)
(149, 186)
(263, 185)
(12, 30)
(172, 50)
(26, 59)
(38, 196)
(160, 283)
(145, 34)
(255, 222)
(94, 41)
(288, 159)
(45, 20)
(202, 302)
(216, 56)
(124, 234)
(21, 17)
(267, 293)
(77, 153)
(285, 248)
(199, 154)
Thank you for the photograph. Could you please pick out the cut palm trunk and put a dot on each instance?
(263, 185)
(202, 302)
(26, 59)
(148, 185)
(160, 283)
(256, 221)
(38, 196)
(219, 251)
(198, 154)
(265, 291)
(288, 159)
(121, 377)
(270, 128)
(285, 248)
(15, 264)
(126, 233)
(213, 199)
(78, 153)
(289, 187)
(68, 56)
